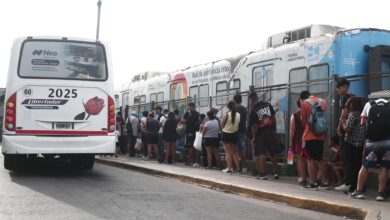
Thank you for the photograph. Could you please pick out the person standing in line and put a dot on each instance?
(313, 143)
(252, 100)
(211, 140)
(230, 122)
(157, 113)
(241, 131)
(263, 124)
(170, 136)
(376, 151)
(161, 144)
(144, 119)
(296, 133)
(191, 119)
(354, 139)
(132, 132)
(118, 131)
(152, 127)
(177, 116)
(342, 89)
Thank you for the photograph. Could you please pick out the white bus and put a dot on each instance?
(59, 101)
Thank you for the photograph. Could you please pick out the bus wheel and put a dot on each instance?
(89, 162)
(10, 162)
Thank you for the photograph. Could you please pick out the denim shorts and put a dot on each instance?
(377, 154)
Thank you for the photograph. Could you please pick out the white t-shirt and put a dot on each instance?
(367, 107)
(162, 122)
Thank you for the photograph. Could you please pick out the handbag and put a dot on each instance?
(198, 141)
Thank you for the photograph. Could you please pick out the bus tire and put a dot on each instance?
(10, 162)
(89, 161)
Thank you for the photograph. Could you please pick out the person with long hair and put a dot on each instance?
(354, 139)
(296, 133)
(230, 122)
(152, 127)
(170, 136)
(211, 139)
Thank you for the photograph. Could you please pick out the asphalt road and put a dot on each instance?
(54, 191)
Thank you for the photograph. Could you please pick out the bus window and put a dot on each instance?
(142, 99)
(62, 60)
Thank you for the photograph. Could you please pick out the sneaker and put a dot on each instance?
(313, 186)
(263, 176)
(342, 187)
(276, 175)
(227, 171)
(302, 182)
(381, 196)
(358, 195)
(324, 186)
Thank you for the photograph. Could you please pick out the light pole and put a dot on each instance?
(99, 4)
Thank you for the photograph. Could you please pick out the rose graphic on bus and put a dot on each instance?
(92, 107)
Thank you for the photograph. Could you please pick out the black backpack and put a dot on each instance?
(378, 123)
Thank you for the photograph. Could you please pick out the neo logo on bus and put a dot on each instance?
(45, 53)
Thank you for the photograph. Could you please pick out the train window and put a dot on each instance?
(160, 97)
(136, 100)
(203, 94)
(318, 72)
(194, 92)
(125, 99)
(142, 99)
(236, 84)
(298, 75)
(385, 69)
(263, 76)
(221, 91)
(153, 97)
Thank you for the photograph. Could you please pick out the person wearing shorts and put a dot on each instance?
(296, 133)
(263, 124)
(376, 154)
(211, 139)
(312, 143)
(152, 127)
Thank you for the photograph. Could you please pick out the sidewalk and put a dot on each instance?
(285, 190)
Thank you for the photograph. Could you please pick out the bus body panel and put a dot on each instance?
(56, 116)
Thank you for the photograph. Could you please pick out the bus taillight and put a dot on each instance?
(111, 115)
(10, 113)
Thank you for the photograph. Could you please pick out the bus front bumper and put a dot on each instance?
(28, 144)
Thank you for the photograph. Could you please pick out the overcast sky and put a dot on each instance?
(166, 35)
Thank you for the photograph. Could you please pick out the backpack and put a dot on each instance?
(317, 120)
(378, 127)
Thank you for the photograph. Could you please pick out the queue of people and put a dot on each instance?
(351, 152)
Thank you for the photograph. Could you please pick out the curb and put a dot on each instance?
(315, 205)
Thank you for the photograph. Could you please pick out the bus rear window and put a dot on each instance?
(52, 59)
